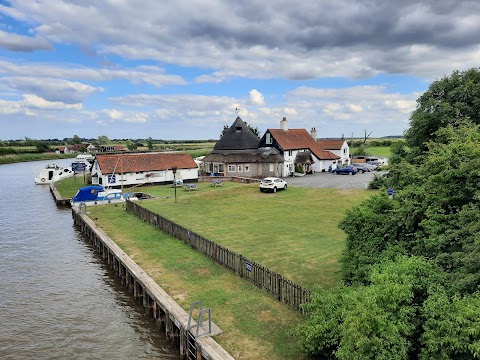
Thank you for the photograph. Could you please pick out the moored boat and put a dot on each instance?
(98, 195)
(52, 173)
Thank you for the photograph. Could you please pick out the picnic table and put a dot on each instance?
(190, 187)
(216, 183)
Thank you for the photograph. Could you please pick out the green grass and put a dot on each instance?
(68, 187)
(383, 151)
(293, 232)
(254, 324)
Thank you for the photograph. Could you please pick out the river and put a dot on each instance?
(58, 300)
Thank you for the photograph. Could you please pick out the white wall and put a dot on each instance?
(130, 179)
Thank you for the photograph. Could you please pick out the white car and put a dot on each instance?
(272, 184)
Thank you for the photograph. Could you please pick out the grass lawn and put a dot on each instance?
(293, 232)
(254, 324)
(68, 187)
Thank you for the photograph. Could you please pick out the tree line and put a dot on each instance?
(411, 266)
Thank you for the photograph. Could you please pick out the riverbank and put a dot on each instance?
(17, 158)
(255, 325)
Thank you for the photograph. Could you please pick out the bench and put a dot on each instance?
(216, 183)
(190, 187)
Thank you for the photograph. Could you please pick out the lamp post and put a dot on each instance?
(174, 169)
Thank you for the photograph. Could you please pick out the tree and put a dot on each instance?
(131, 145)
(149, 143)
(378, 321)
(453, 98)
(76, 139)
(41, 147)
(103, 140)
(435, 212)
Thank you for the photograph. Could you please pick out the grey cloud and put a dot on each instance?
(318, 38)
(20, 43)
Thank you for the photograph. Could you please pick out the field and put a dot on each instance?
(294, 232)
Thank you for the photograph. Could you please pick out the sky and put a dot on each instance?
(181, 70)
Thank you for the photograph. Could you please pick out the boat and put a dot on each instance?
(86, 159)
(52, 173)
(98, 195)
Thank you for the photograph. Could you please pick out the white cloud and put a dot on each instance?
(256, 97)
(36, 102)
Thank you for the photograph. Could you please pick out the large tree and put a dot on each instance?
(453, 98)
(411, 266)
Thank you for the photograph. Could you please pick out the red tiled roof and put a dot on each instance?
(295, 139)
(331, 144)
(119, 163)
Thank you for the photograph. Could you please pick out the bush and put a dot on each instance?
(378, 181)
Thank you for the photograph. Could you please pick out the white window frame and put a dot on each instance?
(247, 168)
(240, 168)
(231, 168)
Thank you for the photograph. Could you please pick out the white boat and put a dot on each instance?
(98, 195)
(52, 173)
(86, 159)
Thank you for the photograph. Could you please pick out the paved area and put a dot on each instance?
(327, 180)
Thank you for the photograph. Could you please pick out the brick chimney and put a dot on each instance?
(284, 124)
(313, 132)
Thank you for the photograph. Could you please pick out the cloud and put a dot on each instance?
(36, 102)
(256, 98)
(249, 39)
(15, 42)
(53, 90)
(152, 75)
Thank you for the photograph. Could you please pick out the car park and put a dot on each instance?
(361, 167)
(346, 170)
(273, 184)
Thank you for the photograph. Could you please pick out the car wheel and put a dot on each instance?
(350, 173)
(285, 186)
(274, 189)
(261, 190)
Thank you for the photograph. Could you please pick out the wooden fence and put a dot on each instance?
(283, 289)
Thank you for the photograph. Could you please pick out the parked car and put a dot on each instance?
(361, 167)
(272, 184)
(348, 169)
(376, 163)
(371, 167)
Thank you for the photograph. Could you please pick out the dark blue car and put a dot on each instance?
(347, 169)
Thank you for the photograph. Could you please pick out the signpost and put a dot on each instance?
(77, 167)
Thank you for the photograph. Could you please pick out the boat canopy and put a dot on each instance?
(88, 193)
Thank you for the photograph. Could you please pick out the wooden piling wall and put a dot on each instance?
(169, 317)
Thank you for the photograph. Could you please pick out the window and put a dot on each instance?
(272, 167)
(268, 138)
(345, 150)
(290, 153)
(231, 168)
(240, 168)
(247, 168)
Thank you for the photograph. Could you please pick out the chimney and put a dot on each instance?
(284, 124)
(313, 132)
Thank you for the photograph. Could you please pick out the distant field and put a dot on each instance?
(383, 151)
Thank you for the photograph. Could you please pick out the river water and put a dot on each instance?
(58, 300)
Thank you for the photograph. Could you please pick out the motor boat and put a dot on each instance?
(52, 173)
(98, 195)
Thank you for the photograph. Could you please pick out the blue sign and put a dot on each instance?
(78, 167)
(111, 179)
(248, 266)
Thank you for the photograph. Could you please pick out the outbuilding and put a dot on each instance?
(118, 170)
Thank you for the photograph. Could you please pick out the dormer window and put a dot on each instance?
(268, 138)
(238, 129)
